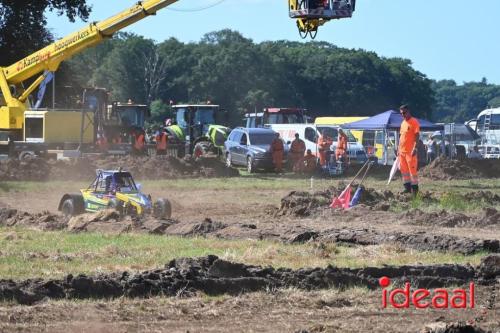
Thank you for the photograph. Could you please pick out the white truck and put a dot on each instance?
(310, 133)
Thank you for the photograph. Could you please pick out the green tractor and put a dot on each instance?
(196, 131)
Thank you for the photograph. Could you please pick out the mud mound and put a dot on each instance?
(452, 328)
(489, 217)
(110, 222)
(203, 228)
(45, 221)
(446, 169)
(484, 196)
(304, 203)
(421, 241)
(165, 167)
(490, 266)
(29, 170)
(106, 221)
(215, 276)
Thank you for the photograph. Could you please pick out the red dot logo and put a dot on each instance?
(384, 281)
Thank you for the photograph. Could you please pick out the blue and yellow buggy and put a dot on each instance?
(114, 189)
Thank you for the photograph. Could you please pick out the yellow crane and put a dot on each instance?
(14, 96)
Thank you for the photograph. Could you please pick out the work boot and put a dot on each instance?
(414, 190)
(407, 188)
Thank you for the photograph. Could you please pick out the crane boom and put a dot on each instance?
(52, 55)
(13, 97)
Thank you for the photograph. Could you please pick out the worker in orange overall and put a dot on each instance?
(407, 152)
(297, 150)
(102, 141)
(139, 143)
(323, 146)
(277, 150)
(310, 162)
(341, 150)
(161, 142)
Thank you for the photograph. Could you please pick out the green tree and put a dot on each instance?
(240, 75)
(23, 25)
(458, 103)
(132, 69)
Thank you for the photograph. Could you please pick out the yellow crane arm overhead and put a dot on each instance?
(310, 14)
(50, 57)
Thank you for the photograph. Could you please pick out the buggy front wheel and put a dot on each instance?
(162, 209)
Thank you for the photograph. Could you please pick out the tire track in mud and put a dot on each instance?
(214, 276)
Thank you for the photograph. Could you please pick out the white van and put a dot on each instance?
(310, 132)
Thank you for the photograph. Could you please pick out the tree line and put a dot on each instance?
(228, 69)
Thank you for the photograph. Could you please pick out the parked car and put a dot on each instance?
(250, 147)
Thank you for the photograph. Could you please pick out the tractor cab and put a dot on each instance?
(122, 119)
(272, 116)
(196, 125)
(194, 119)
(311, 14)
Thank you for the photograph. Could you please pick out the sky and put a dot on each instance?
(444, 39)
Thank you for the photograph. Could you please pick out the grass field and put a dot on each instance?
(29, 253)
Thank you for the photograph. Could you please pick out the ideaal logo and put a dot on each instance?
(439, 298)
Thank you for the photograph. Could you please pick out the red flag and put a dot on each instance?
(343, 200)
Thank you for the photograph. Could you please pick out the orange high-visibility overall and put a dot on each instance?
(297, 150)
(139, 142)
(323, 146)
(161, 143)
(277, 150)
(340, 152)
(407, 162)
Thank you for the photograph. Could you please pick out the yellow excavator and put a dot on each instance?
(18, 123)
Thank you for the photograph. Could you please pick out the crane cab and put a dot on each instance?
(311, 14)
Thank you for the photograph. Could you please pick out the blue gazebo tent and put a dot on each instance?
(389, 121)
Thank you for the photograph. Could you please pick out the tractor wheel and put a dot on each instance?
(162, 209)
(26, 155)
(201, 149)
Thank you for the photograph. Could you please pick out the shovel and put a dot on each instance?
(359, 190)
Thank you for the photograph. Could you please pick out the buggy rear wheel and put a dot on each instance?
(72, 205)
(162, 209)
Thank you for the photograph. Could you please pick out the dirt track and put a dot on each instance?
(300, 217)
(328, 311)
(256, 213)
